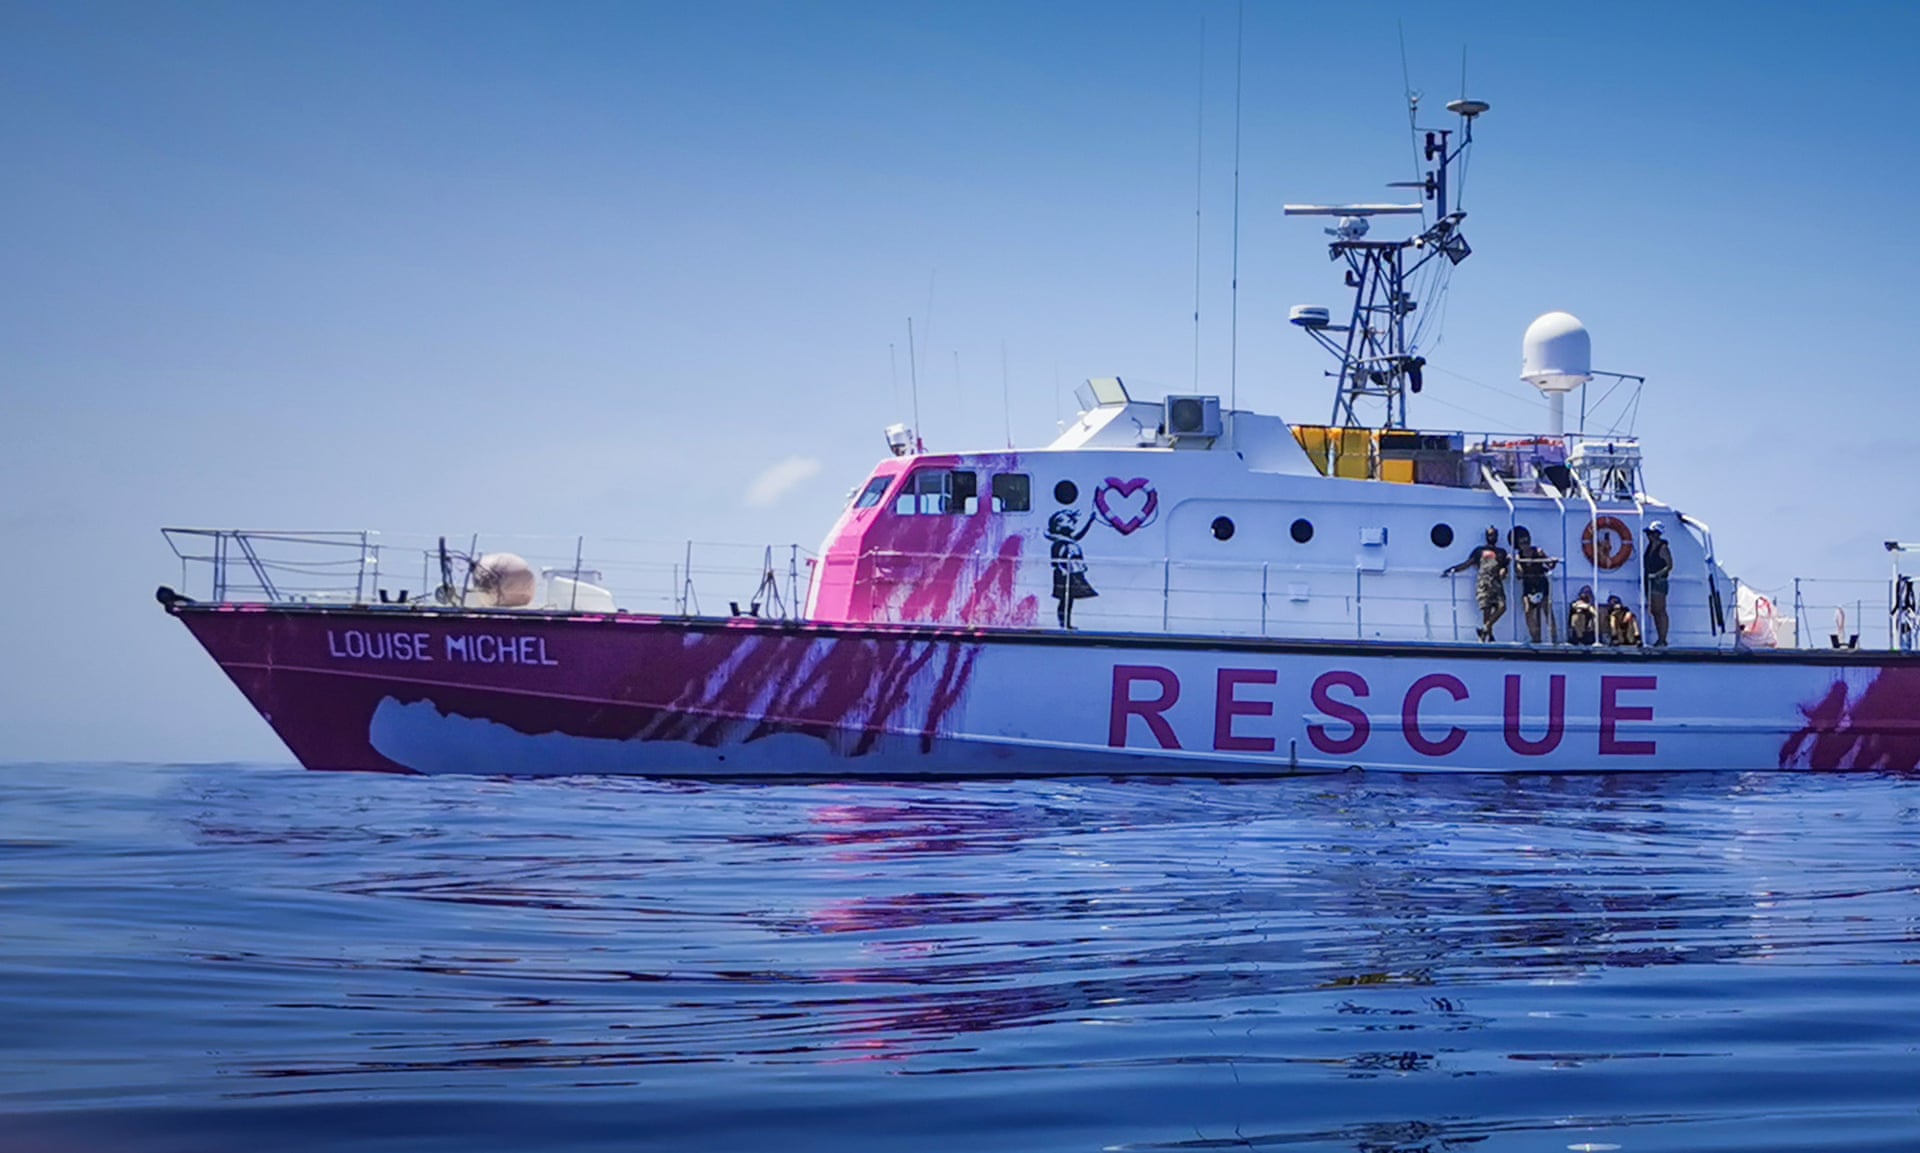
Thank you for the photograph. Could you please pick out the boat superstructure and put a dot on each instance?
(1172, 585)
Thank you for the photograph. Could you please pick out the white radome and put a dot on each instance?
(1556, 355)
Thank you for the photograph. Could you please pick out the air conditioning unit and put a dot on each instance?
(1192, 417)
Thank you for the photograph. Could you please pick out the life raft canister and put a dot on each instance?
(1616, 542)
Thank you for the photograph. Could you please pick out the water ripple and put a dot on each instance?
(221, 957)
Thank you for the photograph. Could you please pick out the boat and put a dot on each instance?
(1171, 586)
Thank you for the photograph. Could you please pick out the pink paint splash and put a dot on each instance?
(624, 679)
(736, 686)
(959, 569)
(1877, 730)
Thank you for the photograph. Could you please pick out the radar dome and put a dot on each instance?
(1556, 355)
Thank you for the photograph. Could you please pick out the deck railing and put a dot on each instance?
(680, 578)
(1165, 595)
(710, 578)
(1209, 597)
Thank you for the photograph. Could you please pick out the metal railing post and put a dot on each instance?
(1166, 594)
(1799, 617)
(1263, 598)
(579, 549)
(686, 592)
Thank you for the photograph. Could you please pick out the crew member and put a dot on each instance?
(1583, 618)
(1659, 562)
(1623, 628)
(1532, 564)
(1490, 581)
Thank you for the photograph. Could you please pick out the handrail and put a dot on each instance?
(362, 567)
(1171, 595)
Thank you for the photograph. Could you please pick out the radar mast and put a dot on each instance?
(1379, 358)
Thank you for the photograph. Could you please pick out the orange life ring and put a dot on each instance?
(1617, 550)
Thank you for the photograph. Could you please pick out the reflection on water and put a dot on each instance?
(205, 958)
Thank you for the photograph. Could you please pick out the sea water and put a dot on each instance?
(250, 957)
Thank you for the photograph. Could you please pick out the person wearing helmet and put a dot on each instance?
(1659, 562)
(1069, 563)
(1489, 562)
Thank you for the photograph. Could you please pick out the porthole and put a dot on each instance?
(1442, 535)
(1066, 492)
(1222, 528)
(1302, 530)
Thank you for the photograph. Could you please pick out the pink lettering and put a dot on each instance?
(1410, 715)
(1341, 711)
(1612, 712)
(1227, 706)
(1556, 718)
(1124, 706)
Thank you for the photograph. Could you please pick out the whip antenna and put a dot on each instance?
(913, 374)
(1233, 324)
(1199, 186)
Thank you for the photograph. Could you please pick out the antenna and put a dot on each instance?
(919, 442)
(1233, 324)
(893, 364)
(1379, 358)
(1413, 115)
(1199, 186)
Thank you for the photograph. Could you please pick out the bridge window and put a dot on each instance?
(1302, 530)
(1012, 492)
(870, 495)
(938, 492)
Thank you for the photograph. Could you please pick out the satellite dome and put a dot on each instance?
(1556, 355)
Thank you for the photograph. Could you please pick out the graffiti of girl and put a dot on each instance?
(1069, 564)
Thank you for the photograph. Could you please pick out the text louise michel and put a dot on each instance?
(1147, 692)
(467, 648)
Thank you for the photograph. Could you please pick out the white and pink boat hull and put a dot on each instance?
(535, 694)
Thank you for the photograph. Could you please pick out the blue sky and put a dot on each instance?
(594, 268)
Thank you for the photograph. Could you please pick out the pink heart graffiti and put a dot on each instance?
(1129, 520)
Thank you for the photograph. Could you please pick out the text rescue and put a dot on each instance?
(1351, 727)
